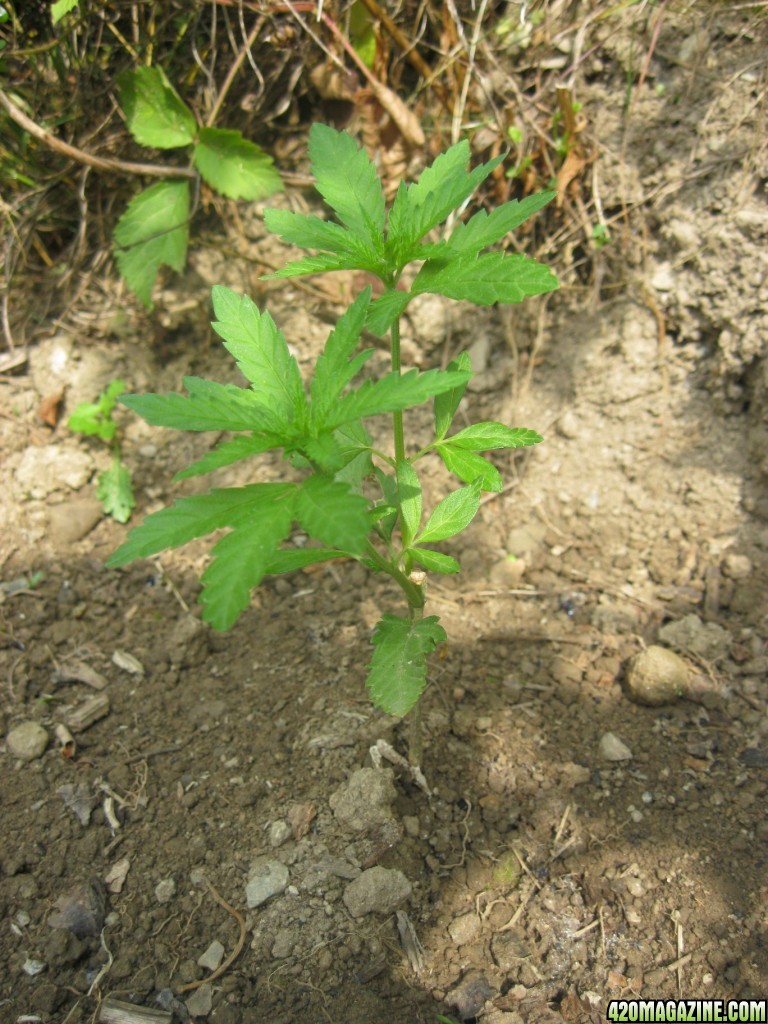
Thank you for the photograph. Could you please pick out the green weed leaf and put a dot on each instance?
(91, 418)
(229, 452)
(323, 263)
(209, 406)
(234, 166)
(261, 352)
(115, 492)
(386, 309)
(335, 368)
(468, 467)
(292, 559)
(486, 229)
(485, 279)
(60, 8)
(392, 392)
(482, 437)
(409, 493)
(347, 181)
(154, 112)
(152, 233)
(329, 511)
(447, 403)
(434, 561)
(398, 672)
(452, 515)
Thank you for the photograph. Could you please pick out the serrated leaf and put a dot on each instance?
(335, 368)
(485, 279)
(447, 403)
(434, 561)
(292, 559)
(331, 513)
(398, 672)
(234, 166)
(388, 486)
(483, 437)
(196, 516)
(386, 309)
(154, 112)
(241, 560)
(409, 496)
(452, 515)
(311, 232)
(423, 205)
(115, 491)
(209, 406)
(229, 452)
(60, 8)
(323, 263)
(468, 467)
(392, 392)
(324, 452)
(347, 180)
(261, 352)
(153, 232)
(486, 229)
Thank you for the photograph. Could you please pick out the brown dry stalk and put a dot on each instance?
(235, 952)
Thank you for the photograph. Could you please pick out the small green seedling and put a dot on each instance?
(358, 498)
(114, 489)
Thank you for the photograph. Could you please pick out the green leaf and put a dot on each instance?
(241, 560)
(355, 444)
(434, 561)
(468, 467)
(423, 205)
(386, 309)
(482, 437)
(60, 8)
(291, 559)
(261, 352)
(347, 180)
(228, 452)
(335, 368)
(447, 403)
(234, 166)
(486, 229)
(154, 112)
(323, 263)
(324, 452)
(398, 672)
(311, 232)
(485, 279)
(96, 417)
(196, 516)
(331, 513)
(115, 492)
(209, 406)
(389, 491)
(152, 233)
(452, 515)
(392, 392)
(409, 494)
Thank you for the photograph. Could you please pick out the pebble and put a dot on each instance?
(268, 878)
(279, 833)
(613, 749)
(365, 799)
(200, 1002)
(464, 929)
(212, 957)
(43, 470)
(27, 741)
(568, 425)
(708, 640)
(656, 676)
(165, 890)
(471, 995)
(73, 520)
(737, 567)
(377, 891)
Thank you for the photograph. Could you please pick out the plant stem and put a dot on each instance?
(397, 417)
(415, 731)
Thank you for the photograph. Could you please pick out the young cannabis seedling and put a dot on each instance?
(355, 500)
(114, 489)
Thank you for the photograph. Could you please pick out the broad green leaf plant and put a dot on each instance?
(114, 488)
(355, 500)
(154, 229)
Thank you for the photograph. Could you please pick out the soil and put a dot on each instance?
(541, 868)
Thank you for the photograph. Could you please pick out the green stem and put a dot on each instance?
(397, 417)
(415, 731)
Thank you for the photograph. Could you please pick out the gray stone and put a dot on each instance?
(365, 799)
(707, 640)
(165, 890)
(268, 878)
(27, 741)
(200, 1002)
(73, 520)
(656, 676)
(212, 957)
(377, 891)
(464, 929)
(44, 470)
(737, 567)
(279, 832)
(471, 995)
(613, 749)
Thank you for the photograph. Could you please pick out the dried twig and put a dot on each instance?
(235, 952)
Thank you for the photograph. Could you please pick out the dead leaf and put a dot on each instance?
(334, 83)
(300, 817)
(49, 409)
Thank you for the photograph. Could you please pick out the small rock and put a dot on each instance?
(27, 741)
(128, 663)
(33, 967)
(165, 890)
(708, 640)
(464, 929)
(377, 891)
(81, 910)
(613, 749)
(44, 470)
(656, 676)
(279, 832)
(212, 957)
(737, 567)
(365, 799)
(480, 354)
(73, 520)
(509, 571)
(285, 940)
(568, 425)
(268, 878)
(664, 278)
(200, 1002)
(470, 995)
